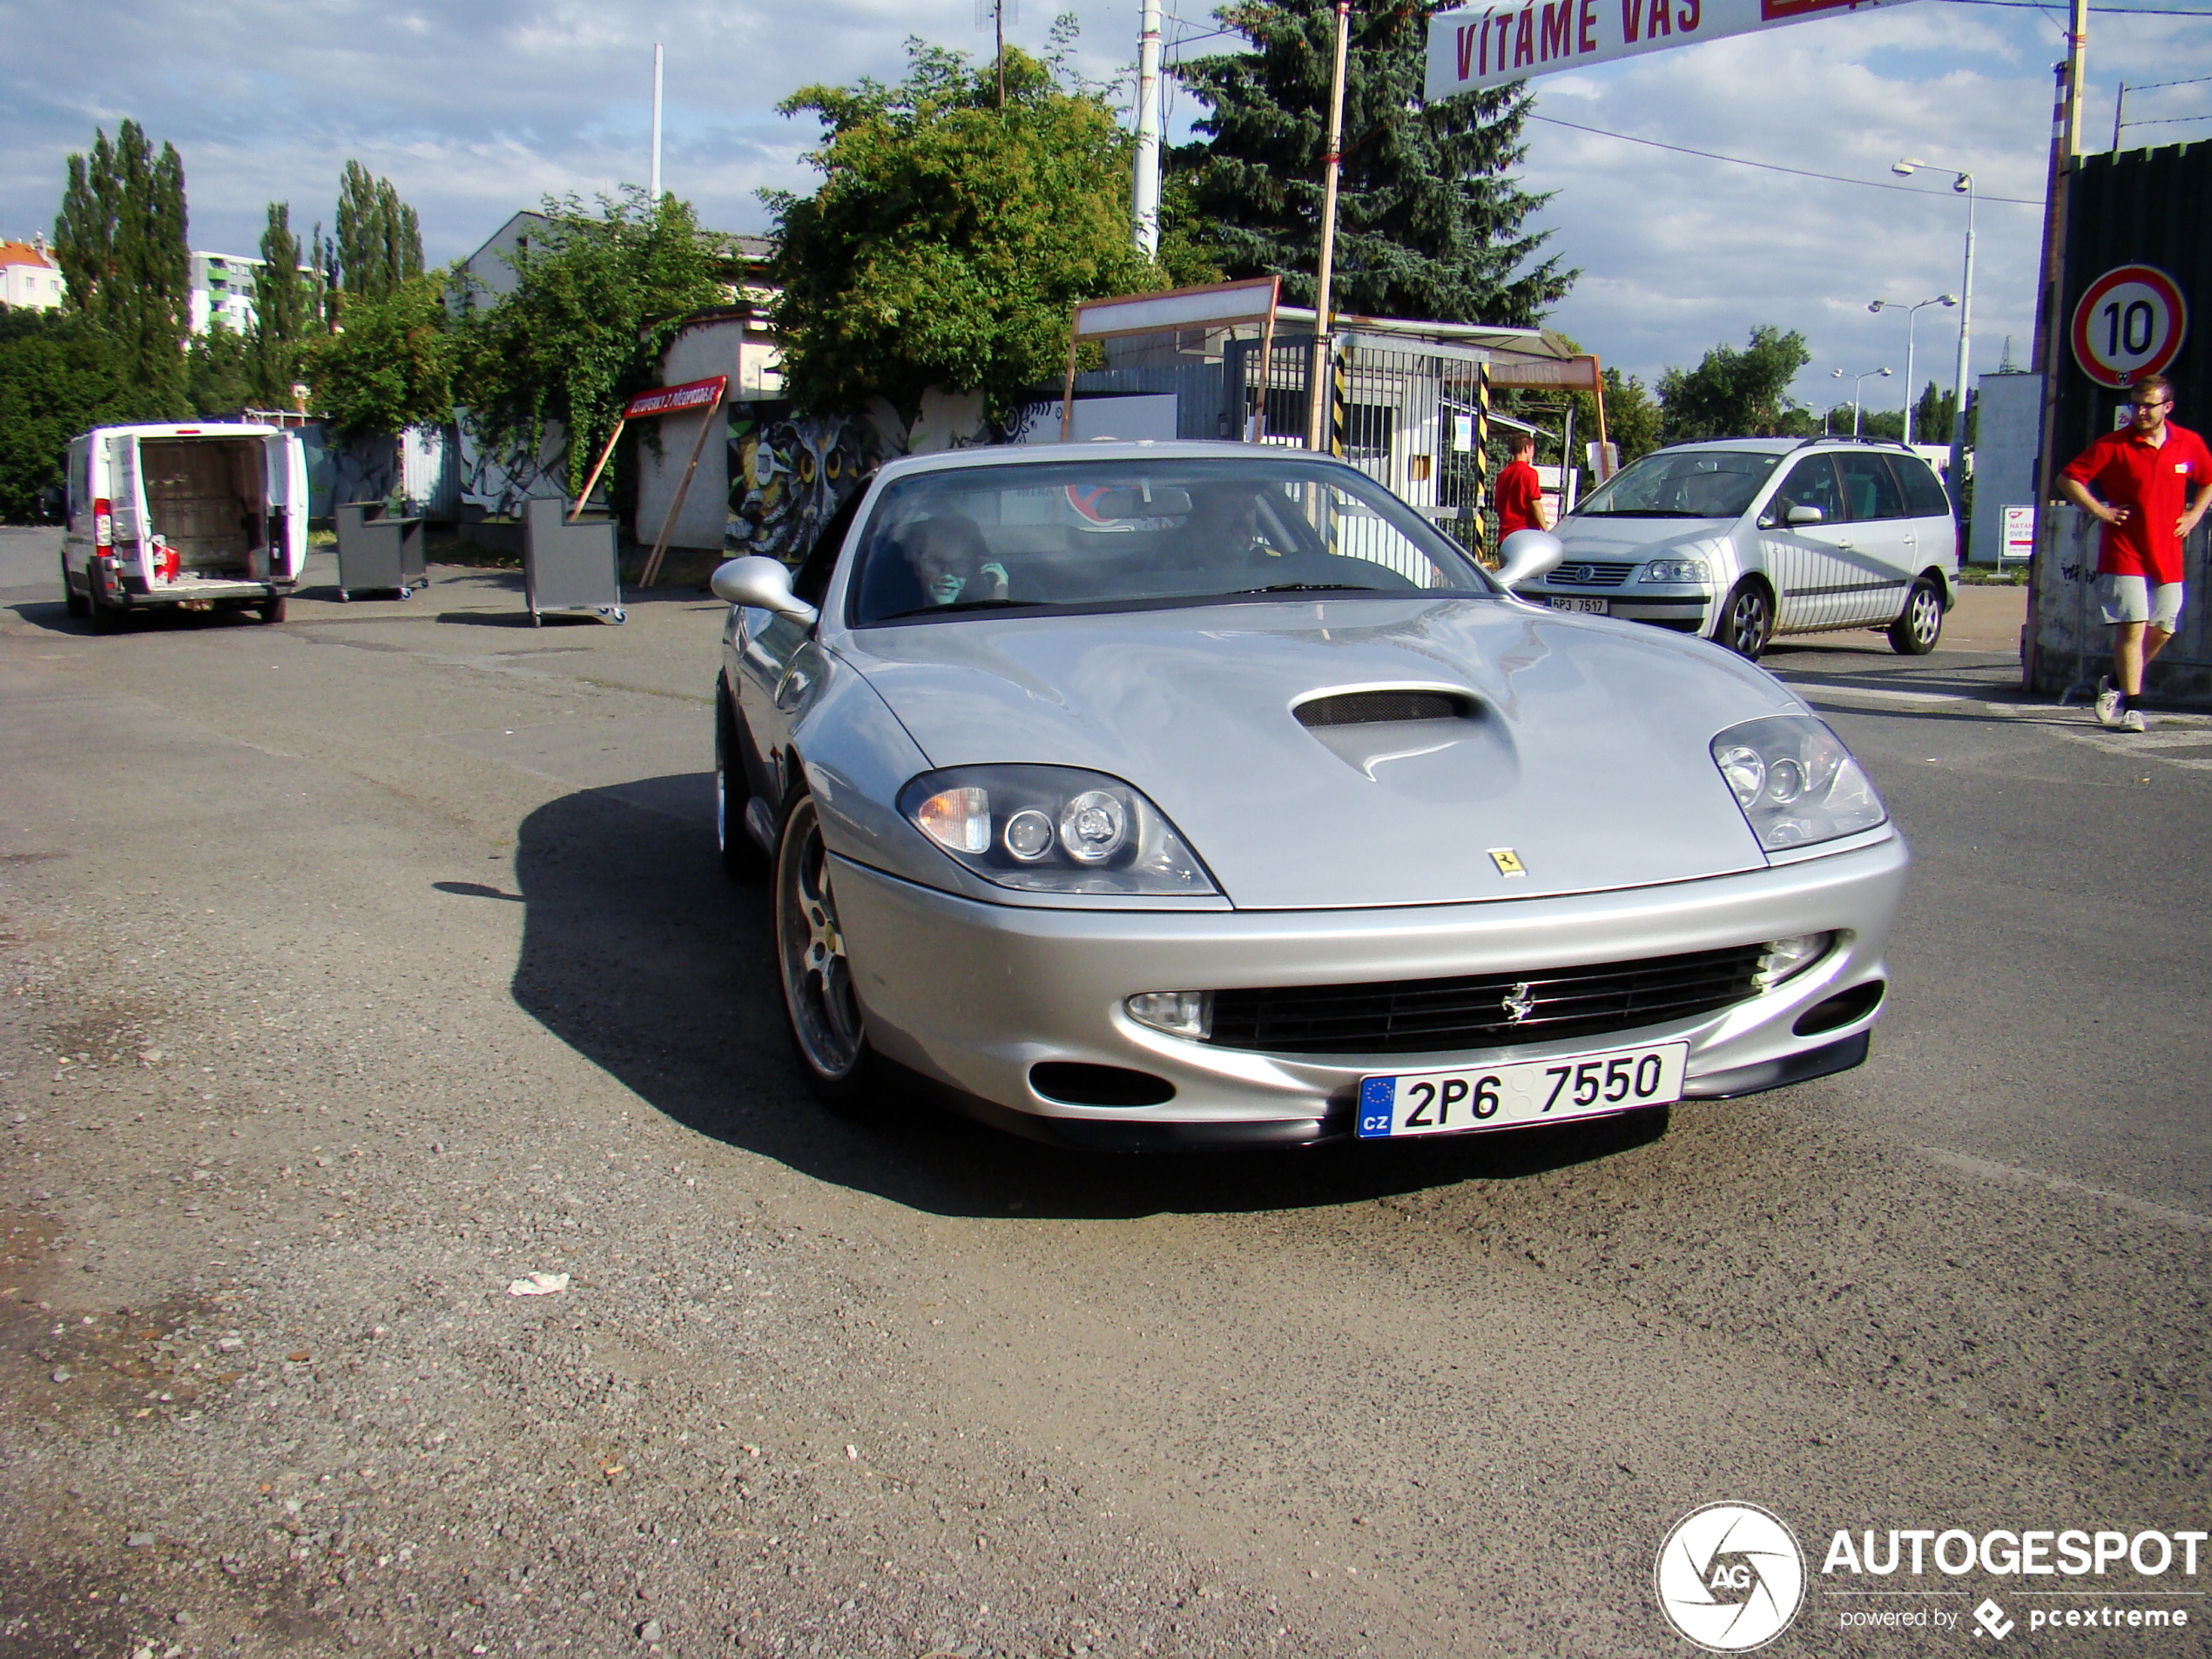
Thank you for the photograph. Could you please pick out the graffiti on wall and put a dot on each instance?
(789, 474)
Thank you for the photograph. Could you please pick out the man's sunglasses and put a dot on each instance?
(2158, 403)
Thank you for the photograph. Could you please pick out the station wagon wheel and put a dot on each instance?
(825, 1017)
(1747, 619)
(1920, 624)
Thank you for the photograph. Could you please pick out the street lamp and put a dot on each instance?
(1880, 305)
(1963, 185)
(1871, 374)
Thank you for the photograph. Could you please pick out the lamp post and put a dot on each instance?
(1871, 374)
(1880, 305)
(1963, 185)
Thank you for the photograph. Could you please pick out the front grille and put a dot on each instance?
(1439, 1016)
(1590, 573)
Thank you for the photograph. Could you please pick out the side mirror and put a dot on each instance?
(1528, 554)
(762, 583)
(1804, 514)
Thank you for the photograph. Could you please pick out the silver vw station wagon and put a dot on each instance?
(1746, 538)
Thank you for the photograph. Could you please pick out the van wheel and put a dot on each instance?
(271, 609)
(1747, 620)
(1920, 624)
(106, 618)
(77, 603)
(819, 1004)
(742, 858)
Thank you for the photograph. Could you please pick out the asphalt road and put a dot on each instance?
(360, 967)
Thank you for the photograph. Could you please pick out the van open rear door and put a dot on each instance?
(128, 504)
(285, 468)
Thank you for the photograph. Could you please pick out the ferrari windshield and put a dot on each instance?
(1681, 483)
(1109, 532)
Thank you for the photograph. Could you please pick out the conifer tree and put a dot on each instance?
(284, 311)
(379, 239)
(1430, 222)
(120, 241)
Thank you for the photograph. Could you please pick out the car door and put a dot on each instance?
(1880, 559)
(1806, 563)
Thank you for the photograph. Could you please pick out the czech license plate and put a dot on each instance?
(1526, 1092)
(1588, 607)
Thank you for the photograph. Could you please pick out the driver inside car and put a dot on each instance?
(953, 563)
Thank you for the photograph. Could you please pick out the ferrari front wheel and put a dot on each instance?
(827, 1028)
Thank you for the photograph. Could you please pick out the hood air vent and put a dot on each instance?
(1380, 708)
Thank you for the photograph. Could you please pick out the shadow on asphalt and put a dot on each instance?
(643, 956)
(53, 617)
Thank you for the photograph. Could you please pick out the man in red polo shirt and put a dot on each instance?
(2149, 482)
(1520, 492)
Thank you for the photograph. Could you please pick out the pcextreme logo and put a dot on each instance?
(1730, 1577)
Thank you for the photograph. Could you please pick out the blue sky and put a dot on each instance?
(476, 109)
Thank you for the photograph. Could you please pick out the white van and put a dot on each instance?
(213, 516)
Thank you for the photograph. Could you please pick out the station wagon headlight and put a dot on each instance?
(1053, 829)
(1675, 571)
(1796, 782)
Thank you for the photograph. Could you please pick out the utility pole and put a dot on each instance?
(1317, 412)
(2050, 320)
(1144, 197)
(653, 189)
(998, 27)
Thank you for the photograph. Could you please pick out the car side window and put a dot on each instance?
(1925, 497)
(1870, 489)
(1811, 482)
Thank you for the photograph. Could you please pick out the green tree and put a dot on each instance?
(284, 311)
(60, 373)
(218, 377)
(379, 243)
(1932, 415)
(1734, 394)
(950, 238)
(1430, 223)
(120, 239)
(596, 302)
(1634, 421)
(392, 366)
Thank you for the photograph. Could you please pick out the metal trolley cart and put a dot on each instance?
(376, 554)
(568, 567)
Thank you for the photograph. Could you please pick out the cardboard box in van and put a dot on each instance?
(213, 516)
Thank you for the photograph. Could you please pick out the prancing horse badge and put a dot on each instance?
(1508, 860)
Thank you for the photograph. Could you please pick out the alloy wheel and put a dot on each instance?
(818, 979)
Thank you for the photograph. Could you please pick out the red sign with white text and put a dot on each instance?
(674, 400)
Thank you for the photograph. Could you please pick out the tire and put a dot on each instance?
(106, 618)
(77, 605)
(1747, 620)
(823, 1017)
(1920, 624)
(742, 858)
(271, 610)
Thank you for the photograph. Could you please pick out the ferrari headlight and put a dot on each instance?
(1053, 829)
(1673, 571)
(1795, 780)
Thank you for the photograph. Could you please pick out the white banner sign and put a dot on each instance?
(1471, 49)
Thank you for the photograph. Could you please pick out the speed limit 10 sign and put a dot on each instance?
(2130, 323)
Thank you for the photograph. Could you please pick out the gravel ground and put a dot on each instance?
(359, 969)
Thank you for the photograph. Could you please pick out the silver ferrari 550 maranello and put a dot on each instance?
(1152, 795)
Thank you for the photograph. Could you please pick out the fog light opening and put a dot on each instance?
(1180, 1013)
(1782, 957)
(1845, 1008)
(1073, 1083)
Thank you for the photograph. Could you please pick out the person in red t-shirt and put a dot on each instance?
(2149, 482)
(1519, 492)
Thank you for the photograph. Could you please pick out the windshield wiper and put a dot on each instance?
(1304, 587)
(960, 604)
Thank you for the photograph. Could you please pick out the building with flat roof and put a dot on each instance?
(29, 275)
(222, 286)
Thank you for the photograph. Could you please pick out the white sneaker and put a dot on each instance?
(2132, 721)
(2109, 705)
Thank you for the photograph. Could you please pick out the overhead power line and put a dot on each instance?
(1771, 166)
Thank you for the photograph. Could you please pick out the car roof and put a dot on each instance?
(1027, 455)
(1784, 446)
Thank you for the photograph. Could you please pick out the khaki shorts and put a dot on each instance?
(2132, 598)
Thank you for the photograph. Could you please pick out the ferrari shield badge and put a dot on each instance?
(1508, 860)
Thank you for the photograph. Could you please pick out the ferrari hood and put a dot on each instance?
(1578, 748)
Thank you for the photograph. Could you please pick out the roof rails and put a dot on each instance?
(1846, 437)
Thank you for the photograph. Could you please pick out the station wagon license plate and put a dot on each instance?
(1526, 1092)
(1588, 607)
